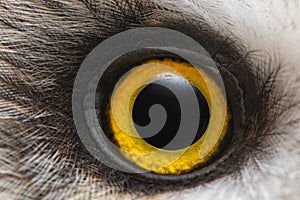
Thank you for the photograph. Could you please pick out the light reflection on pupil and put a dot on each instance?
(156, 94)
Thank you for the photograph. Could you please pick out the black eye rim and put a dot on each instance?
(89, 100)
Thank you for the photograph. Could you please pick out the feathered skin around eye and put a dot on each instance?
(42, 44)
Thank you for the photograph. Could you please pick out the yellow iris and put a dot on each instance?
(148, 157)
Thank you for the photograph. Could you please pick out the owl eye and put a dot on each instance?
(167, 117)
(151, 101)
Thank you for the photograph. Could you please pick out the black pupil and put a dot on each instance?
(157, 94)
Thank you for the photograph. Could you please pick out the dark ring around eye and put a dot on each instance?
(94, 79)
